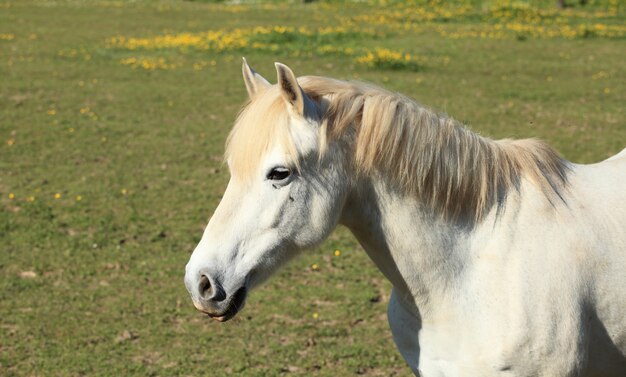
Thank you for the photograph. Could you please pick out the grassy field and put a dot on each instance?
(113, 117)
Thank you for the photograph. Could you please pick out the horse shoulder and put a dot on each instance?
(571, 258)
(601, 188)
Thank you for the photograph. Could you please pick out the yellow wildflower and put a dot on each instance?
(315, 267)
(599, 75)
(79, 198)
(57, 195)
(337, 253)
(11, 196)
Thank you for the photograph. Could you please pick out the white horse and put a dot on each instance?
(505, 259)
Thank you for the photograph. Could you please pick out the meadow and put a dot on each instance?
(113, 117)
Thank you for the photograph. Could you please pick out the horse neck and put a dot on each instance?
(420, 253)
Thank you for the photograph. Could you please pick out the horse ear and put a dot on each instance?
(289, 88)
(255, 83)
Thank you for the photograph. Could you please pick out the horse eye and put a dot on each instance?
(278, 174)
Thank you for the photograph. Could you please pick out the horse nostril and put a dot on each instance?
(206, 291)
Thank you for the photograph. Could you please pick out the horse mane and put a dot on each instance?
(454, 171)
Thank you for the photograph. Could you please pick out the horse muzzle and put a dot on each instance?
(225, 311)
(211, 298)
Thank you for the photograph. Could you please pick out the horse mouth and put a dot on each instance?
(236, 304)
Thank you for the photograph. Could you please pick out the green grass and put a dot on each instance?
(94, 286)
